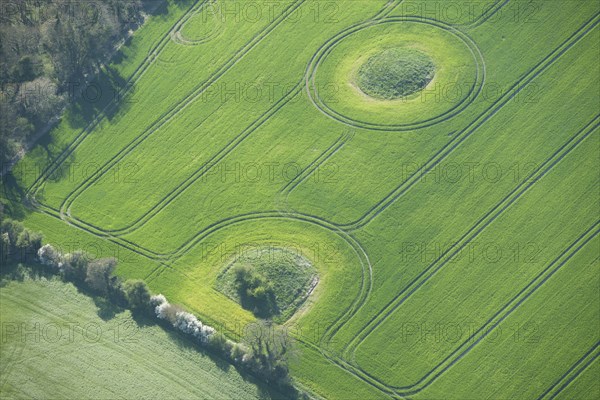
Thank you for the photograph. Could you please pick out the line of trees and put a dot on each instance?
(19, 246)
(96, 276)
(17, 243)
(264, 351)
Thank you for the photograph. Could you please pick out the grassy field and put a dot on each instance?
(454, 232)
(54, 345)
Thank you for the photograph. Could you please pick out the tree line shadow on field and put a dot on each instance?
(102, 94)
(103, 97)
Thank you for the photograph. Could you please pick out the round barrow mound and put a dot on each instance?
(395, 73)
(272, 282)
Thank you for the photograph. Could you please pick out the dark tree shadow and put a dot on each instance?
(104, 96)
(264, 308)
(12, 196)
(106, 309)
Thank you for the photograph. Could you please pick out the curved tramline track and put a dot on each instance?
(173, 194)
(178, 37)
(115, 235)
(64, 211)
(172, 113)
(165, 117)
(460, 137)
(486, 329)
(115, 102)
(206, 167)
(360, 252)
(321, 55)
(473, 232)
(185, 184)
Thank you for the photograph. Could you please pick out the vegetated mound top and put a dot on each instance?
(272, 282)
(395, 73)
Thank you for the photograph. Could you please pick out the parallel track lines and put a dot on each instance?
(474, 231)
(488, 327)
(572, 373)
(506, 311)
(205, 168)
(460, 137)
(487, 14)
(168, 116)
(366, 285)
(135, 77)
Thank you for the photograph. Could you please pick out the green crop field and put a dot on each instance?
(452, 220)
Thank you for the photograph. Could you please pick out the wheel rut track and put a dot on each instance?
(474, 231)
(285, 192)
(134, 78)
(507, 310)
(572, 373)
(488, 327)
(147, 62)
(468, 131)
(173, 194)
(208, 166)
(173, 112)
(347, 367)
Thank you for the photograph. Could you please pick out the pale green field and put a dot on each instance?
(54, 345)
